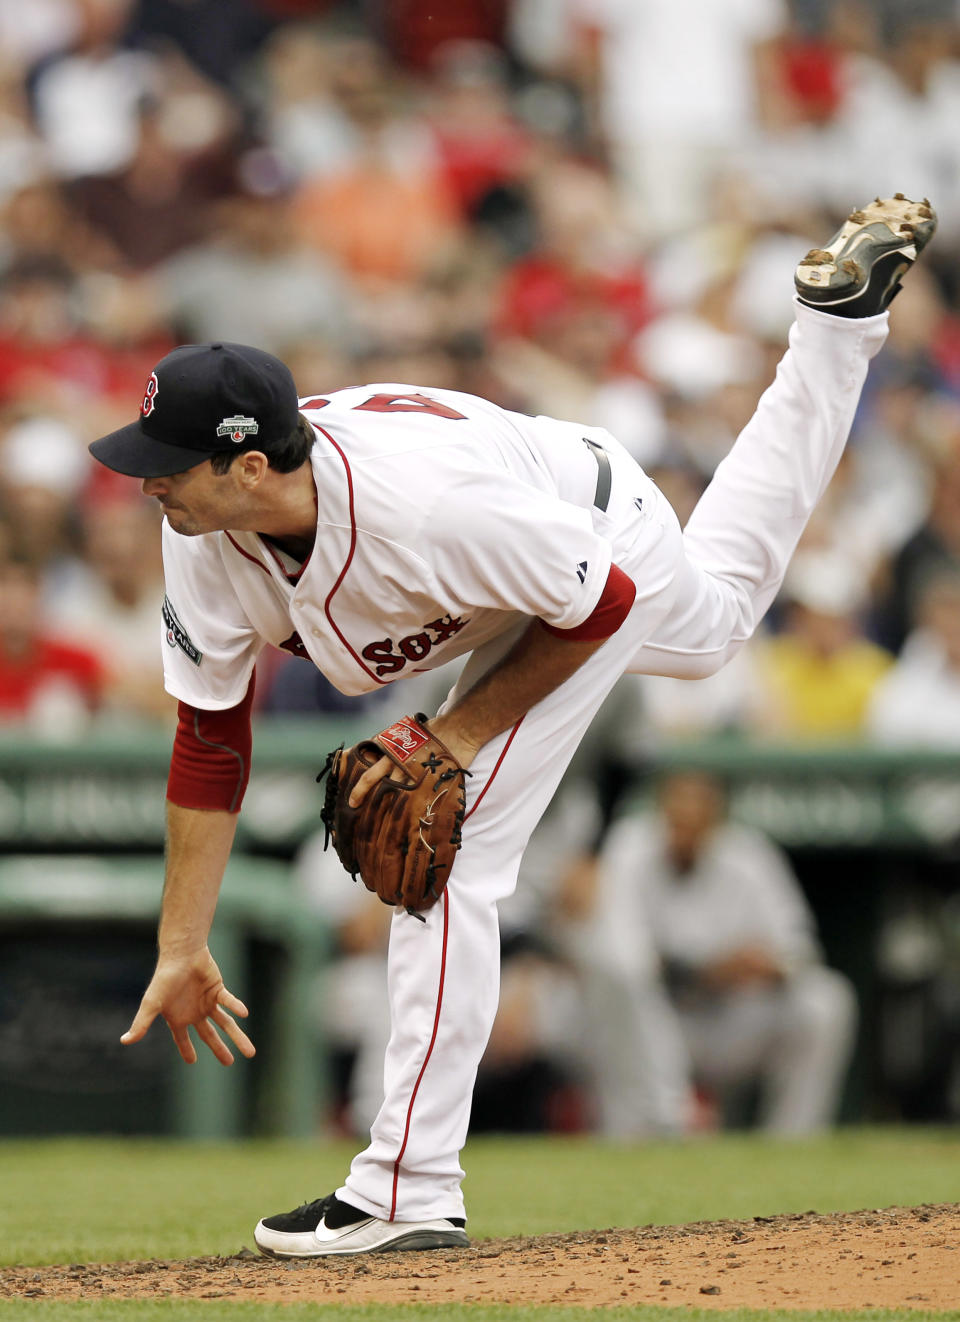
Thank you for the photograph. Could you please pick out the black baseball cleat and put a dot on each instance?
(329, 1226)
(858, 273)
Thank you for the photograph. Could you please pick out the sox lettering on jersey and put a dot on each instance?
(414, 647)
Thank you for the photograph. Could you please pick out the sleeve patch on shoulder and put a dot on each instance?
(177, 635)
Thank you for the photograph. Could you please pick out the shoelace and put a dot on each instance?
(317, 1206)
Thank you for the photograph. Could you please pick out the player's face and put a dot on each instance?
(198, 500)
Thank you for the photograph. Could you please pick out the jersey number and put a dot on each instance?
(407, 404)
(396, 404)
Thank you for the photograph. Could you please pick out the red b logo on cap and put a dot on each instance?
(149, 395)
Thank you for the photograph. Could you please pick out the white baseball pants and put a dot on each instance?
(700, 596)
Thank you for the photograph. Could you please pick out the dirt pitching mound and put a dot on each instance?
(895, 1257)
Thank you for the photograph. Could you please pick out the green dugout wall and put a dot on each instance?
(81, 834)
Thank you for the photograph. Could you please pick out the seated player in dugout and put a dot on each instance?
(387, 528)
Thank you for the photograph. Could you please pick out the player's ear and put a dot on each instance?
(251, 468)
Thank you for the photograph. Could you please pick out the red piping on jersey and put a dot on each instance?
(246, 554)
(346, 564)
(445, 901)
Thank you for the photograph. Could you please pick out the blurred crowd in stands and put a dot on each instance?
(586, 208)
(590, 208)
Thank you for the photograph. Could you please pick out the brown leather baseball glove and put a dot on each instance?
(402, 839)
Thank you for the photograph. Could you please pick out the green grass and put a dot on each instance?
(64, 1201)
(101, 1200)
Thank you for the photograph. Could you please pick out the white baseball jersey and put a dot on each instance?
(441, 519)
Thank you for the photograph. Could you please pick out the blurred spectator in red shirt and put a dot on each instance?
(50, 359)
(568, 312)
(585, 257)
(43, 354)
(811, 75)
(46, 683)
(479, 143)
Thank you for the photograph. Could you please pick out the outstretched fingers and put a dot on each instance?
(227, 1001)
(189, 993)
(182, 1039)
(211, 1038)
(233, 1030)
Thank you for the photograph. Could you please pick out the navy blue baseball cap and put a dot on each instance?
(200, 400)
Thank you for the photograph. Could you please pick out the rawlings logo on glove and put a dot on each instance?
(401, 841)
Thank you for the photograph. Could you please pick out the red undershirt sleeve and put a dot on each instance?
(616, 599)
(210, 763)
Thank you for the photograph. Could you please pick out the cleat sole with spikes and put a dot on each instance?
(858, 272)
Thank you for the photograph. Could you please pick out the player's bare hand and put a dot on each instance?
(188, 992)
